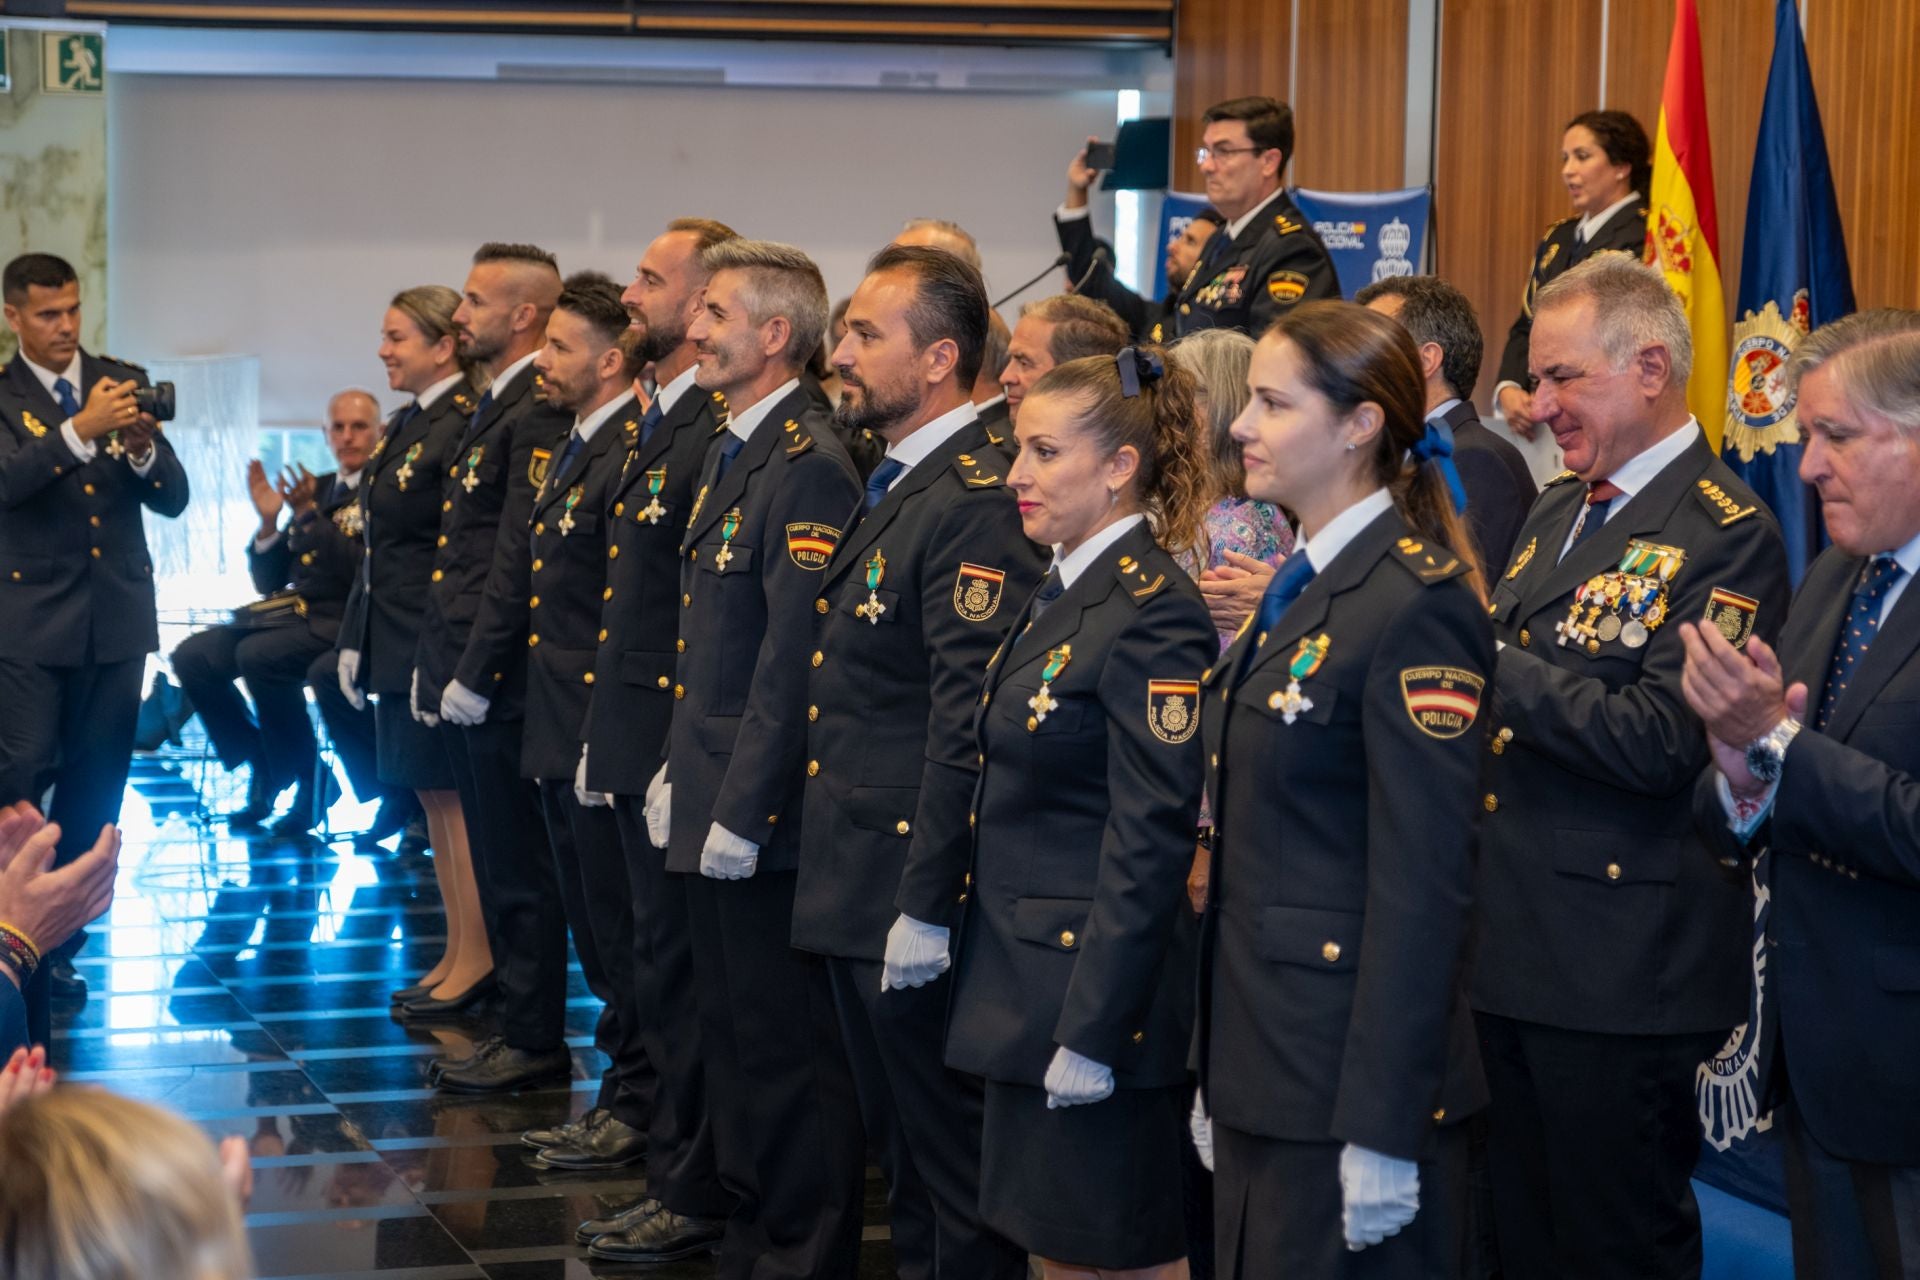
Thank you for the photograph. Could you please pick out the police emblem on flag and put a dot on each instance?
(1760, 405)
(810, 544)
(1442, 702)
(976, 592)
(1173, 709)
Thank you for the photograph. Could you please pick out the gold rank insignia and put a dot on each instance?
(1442, 702)
(1424, 561)
(976, 592)
(466, 402)
(1731, 614)
(1134, 575)
(537, 467)
(1286, 287)
(1720, 502)
(1287, 226)
(798, 440)
(1173, 709)
(810, 544)
(34, 425)
(380, 447)
(1521, 561)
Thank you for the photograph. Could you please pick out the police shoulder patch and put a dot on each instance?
(1287, 225)
(977, 590)
(1723, 506)
(974, 473)
(1429, 562)
(810, 544)
(798, 441)
(536, 466)
(1173, 709)
(1442, 702)
(1286, 286)
(1137, 579)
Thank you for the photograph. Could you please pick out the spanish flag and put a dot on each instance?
(1683, 230)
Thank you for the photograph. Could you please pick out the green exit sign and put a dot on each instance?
(72, 62)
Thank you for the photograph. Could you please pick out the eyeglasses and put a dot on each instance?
(1204, 154)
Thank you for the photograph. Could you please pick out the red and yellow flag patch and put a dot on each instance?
(810, 544)
(1442, 702)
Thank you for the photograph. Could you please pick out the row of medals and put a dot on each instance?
(1615, 606)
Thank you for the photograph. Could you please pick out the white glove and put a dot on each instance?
(1200, 1125)
(916, 954)
(588, 799)
(1073, 1079)
(461, 705)
(1379, 1195)
(659, 808)
(426, 718)
(726, 856)
(349, 673)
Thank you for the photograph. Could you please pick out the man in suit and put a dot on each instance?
(1608, 949)
(1499, 488)
(315, 558)
(774, 493)
(1053, 331)
(79, 460)
(1813, 786)
(1264, 259)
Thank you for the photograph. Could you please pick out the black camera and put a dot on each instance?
(156, 400)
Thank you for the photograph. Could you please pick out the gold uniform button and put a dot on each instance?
(1274, 700)
(453, 471)
(607, 594)
(613, 553)
(820, 605)
(446, 506)
(16, 575)
(1033, 724)
(694, 554)
(1613, 871)
(1139, 1036)
(540, 528)
(1215, 758)
(438, 574)
(87, 489)
(813, 768)
(972, 818)
(534, 603)
(1186, 309)
(685, 600)
(1439, 1115)
(679, 646)
(1329, 951)
(619, 508)
(818, 657)
(306, 557)
(588, 677)
(1526, 637)
(441, 541)
(538, 565)
(96, 553)
(902, 827)
(813, 713)
(1066, 937)
(663, 682)
(963, 897)
(1492, 802)
(94, 521)
(603, 635)
(679, 691)
(532, 641)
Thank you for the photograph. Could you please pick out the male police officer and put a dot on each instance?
(1053, 331)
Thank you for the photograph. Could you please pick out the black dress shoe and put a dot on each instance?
(563, 1134)
(310, 805)
(663, 1237)
(508, 1068)
(403, 994)
(416, 841)
(481, 1050)
(63, 983)
(259, 805)
(610, 1145)
(625, 1220)
(426, 1008)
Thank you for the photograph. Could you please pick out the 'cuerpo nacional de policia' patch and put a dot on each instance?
(810, 544)
(976, 592)
(1442, 701)
(1286, 286)
(1173, 709)
(1731, 614)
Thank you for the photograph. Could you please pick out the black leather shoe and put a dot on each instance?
(663, 1237)
(481, 1050)
(564, 1134)
(625, 1220)
(309, 807)
(508, 1068)
(259, 805)
(63, 982)
(427, 1009)
(416, 841)
(403, 994)
(609, 1145)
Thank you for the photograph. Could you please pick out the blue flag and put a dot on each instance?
(1793, 279)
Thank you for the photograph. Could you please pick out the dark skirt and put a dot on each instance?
(411, 755)
(1096, 1185)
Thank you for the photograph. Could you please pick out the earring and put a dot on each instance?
(1113, 498)
(1351, 446)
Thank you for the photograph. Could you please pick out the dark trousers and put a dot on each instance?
(275, 737)
(923, 1121)
(681, 1169)
(1591, 1143)
(519, 885)
(1851, 1220)
(786, 1123)
(351, 731)
(69, 728)
(599, 909)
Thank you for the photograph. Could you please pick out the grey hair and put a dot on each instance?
(363, 393)
(1876, 354)
(779, 280)
(962, 242)
(1633, 308)
(1218, 359)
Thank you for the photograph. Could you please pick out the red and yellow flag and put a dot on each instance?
(1683, 229)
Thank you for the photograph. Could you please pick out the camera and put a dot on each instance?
(156, 400)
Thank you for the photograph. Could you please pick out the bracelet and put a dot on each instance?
(18, 948)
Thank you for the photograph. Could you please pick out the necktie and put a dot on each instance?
(1863, 623)
(1295, 572)
(574, 444)
(729, 450)
(652, 420)
(63, 392)
(1599, 500)
(1051, 588)
(882, 477)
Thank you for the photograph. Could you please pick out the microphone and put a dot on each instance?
(1060, 261)
(1100, 255)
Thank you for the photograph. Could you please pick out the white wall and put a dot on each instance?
(275, 217)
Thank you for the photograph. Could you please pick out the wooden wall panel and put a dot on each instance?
(1350, 95)
(1223, 49)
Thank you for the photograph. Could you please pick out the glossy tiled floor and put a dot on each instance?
(245, 984)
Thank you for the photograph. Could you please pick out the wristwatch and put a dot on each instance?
(1766, 753)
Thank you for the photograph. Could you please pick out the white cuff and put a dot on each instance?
(85, 450)
(141, 468)
(1065, 214)
(1743, 827)
(263, 545)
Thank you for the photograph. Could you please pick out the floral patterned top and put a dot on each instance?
(1248, 526)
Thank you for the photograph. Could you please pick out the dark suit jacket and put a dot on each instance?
(1276, 262)
(1146, 319)
(1624, 232)
(739, 737)
(475, 628)
(401, 502)
(1843, 953)
(1500, 488)
(1333, 988)
(13, 1018)
(1596, 909)
(640, 616)
(75, 574)
(890, 711)
(1077, 931)
(318, 557)
(997, 423)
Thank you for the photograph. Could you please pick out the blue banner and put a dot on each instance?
(1176, 211)
(1371, 235)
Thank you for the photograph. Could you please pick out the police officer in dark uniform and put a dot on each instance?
(1265, 259)
(774, 492)
(913, 604)
(1610, 952)
(79, 460)
(1607, 166)
(1336, 1048)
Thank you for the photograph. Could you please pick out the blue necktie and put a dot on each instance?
(1599, 501)
(63, 392)
(1863, 623)
(568, 454)
(729, 450)
(1052, 587)
(882, 477)
(1295, 572)
(652, 420)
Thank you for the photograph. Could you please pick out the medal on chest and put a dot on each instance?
(471, 480)
(729, 527)
(1627, 605)
(651, 513)
(1290, 702)
(573, 500)
(114, 448)
(405, 474)
(1044, 702)
(871, 609)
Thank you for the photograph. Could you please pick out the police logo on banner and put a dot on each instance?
(1173, 709)
(1395, 239)
(1727, 1086)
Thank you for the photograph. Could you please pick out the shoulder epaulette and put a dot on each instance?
(632, 426)
(1140, 582)
(976, 474)
(720, 398)
(1562, 478)
(1721, 505)
(1555, 226)
(995, 440)
(1429, 562)
(1287, 225)
(466, 402)
(137, 368)
(798, 441)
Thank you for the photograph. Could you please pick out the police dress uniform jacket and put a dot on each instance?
(997, 423)
(919, 595)
(1343, 779)
(476, 620)
(1076, 930)
(75, 571)
(1500, 487)
(1843, 953)
(1247, 281)
(649, 504)
(752, 556)
(1147, 320)
(401, 502)
(1624, 232)
(1596, 908)
(317, 556)
(569, 578)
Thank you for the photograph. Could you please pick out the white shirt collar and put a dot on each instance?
(1442, 409)
(1072, 565)
(1241, 223)
(1638, 472)
(1906, 555)
(984, 405)
(512, 371)
(743, 422)
(433, 393)
(669, 395)
(351, 479)
(49, 376)
(930, 437)
(1594, 221)
(1329, 542)
(586, 427)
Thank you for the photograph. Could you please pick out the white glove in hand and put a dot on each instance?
(426, 718)
(349, 673)
(1379, 1195)
(916, 954)
(461, 705)
(588, 799)
(1073, 1079)
(1200, 1125)
(659, 808)
(726, 856)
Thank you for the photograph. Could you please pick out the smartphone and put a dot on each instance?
(1100, 155)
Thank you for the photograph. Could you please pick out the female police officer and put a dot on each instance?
(1336, 1052)
(1072, 988)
